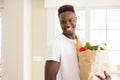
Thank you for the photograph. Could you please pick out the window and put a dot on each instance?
(102, 25)
(105, 27)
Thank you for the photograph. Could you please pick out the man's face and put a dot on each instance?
(68, 22)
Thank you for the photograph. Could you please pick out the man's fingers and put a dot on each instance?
(101, 78)
(106, 74)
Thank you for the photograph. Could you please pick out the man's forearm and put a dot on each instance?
(50, 78)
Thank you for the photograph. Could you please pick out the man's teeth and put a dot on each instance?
(69, 28)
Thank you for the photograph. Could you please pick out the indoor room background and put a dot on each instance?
(27, 27)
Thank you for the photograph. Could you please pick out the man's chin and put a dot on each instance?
(71, 33)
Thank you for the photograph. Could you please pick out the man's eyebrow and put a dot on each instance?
(69, 18)
(72, 18)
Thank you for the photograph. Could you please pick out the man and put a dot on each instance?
(62, 63)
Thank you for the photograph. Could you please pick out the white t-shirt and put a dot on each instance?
(63, 50)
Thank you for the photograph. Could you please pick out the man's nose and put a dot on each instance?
(68, 24)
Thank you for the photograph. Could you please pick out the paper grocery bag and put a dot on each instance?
(92, 63)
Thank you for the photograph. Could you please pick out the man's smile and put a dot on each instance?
(69, 29)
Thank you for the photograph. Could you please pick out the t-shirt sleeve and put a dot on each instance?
(53, 52)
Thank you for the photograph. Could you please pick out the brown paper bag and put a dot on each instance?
(92, 63)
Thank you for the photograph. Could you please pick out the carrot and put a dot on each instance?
(78, 44)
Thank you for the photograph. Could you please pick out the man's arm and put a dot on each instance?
(51, 70)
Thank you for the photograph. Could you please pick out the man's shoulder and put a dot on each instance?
(59, 38)
(57, 41)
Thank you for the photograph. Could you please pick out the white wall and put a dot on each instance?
(39, 39)
(16, 29)
(22, 37)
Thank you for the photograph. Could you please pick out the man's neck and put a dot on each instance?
(70, 36)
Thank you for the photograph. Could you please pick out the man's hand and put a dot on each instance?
(107, 76)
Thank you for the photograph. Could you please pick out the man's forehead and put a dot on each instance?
(67, 14)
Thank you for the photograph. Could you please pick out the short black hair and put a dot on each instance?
(65, 8)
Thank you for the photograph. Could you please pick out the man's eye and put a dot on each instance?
(71, 20)
(63, 22)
